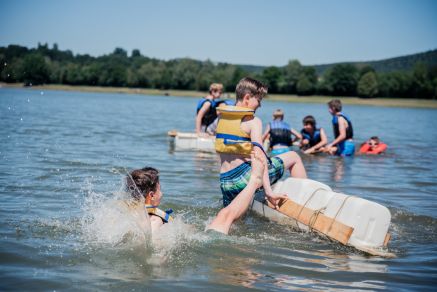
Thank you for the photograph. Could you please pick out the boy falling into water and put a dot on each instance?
(238, 133)
(144, 186)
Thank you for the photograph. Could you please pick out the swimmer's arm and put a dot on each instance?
(342, 130)
(200, 116)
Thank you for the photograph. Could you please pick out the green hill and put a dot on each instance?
(403, 63)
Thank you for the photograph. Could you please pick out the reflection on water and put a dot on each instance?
(63, 158)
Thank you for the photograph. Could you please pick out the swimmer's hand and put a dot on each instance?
(257, 168)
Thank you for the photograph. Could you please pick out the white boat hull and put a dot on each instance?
(370, 221)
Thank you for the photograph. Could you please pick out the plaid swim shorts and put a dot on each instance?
(235, 180)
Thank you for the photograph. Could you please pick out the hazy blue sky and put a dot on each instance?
(244, 32)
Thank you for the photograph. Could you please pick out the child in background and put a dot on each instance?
(206, 111)
(343, 144)
(373, 146)
(313, 138)
(280, 134)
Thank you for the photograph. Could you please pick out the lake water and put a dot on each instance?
(63, 157)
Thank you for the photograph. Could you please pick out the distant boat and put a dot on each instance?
(191, 141)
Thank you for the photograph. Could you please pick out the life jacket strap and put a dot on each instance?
(234, 139)
(164, 215)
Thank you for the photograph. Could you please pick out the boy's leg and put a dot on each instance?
(294, 164)
(234, 181)
(224, 219)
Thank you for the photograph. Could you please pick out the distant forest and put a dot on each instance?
(413, 76)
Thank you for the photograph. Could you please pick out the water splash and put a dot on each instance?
(113, 219)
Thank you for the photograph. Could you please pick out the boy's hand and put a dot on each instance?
(203, 135)
(309, 151)
(276, 198)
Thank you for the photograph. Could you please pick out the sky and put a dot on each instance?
(256, 32)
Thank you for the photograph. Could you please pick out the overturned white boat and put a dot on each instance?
(313, 206)
(191, 141)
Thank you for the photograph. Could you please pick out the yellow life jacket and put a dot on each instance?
(229, 136)
(164, 215)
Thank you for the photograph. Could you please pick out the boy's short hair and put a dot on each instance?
(309, 120)
(250, 86)
(278, 114)
(215, 87)
(335, 104)
(141, 181)
(375, 138)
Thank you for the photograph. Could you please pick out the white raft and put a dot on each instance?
(313, 206)
(191, 141)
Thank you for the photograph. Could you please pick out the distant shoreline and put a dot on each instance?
(388, 102)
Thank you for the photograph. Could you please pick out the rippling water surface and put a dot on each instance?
(63, 157)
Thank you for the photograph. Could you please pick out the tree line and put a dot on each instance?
(44, 65)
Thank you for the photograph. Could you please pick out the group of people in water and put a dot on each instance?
(245, 165)
(281, 136)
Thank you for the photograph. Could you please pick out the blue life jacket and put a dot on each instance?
(313, 139)
(211, 114)
(349, 130)
(280, 133)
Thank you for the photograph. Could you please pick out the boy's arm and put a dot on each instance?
(205, 107)
(323, 141)
(255, 136)
(266, 133)
(296, 134)
(342, 130)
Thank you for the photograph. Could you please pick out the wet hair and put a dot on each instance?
(142, 181)
(375, 138)
(309, 120)
(335, 105)
(250, 86)
(215, 86)
(278, 114)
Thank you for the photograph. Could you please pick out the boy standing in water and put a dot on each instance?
(206, 111)
(280, 134)
(343, 144)
(238, 133)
